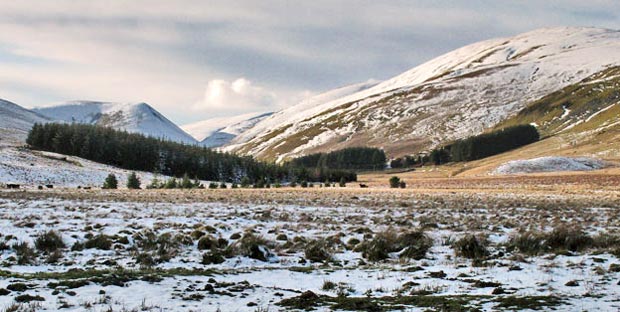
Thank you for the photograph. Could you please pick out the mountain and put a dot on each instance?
(13, 116)
(461, 93)
(217, 132)
(16, 121)
(133, 117)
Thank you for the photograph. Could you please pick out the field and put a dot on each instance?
(542, 242)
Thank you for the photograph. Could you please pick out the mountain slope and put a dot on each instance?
(137, 118)
(13, 116)
(216, 132)
(16, 121)
(453, 96)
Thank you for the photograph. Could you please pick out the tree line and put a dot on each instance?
(137, 152)
(474, 147)
(352, 158)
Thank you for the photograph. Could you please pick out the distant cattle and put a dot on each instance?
(363, 185)
(40, 187)
(49, 186)
(86, 187)
(12, 186)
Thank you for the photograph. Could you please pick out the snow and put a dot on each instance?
(268, 282)
(132, 117)
(457, 94)
(550, 164)
(220, 131)
(15, 117)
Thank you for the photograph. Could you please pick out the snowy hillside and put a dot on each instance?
(550, 164)
(216, 132)
(15, 117)
(137, 118)
(453, 96)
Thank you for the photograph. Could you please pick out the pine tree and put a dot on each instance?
(133, 183)
(343, 182)
(394, 182)
(110, 182)
(245, 182)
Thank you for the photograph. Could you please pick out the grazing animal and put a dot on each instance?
(12, 186)
(363, 185)
(49, 186)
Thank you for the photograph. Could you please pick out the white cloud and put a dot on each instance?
(223, 97)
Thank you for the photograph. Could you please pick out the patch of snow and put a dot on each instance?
(550, 164)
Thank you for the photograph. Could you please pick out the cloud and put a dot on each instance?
(223, 97)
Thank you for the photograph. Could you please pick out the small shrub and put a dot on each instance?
(213, 185)
(471, 247)
(49, 241)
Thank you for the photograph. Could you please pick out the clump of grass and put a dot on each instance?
(471, 247)
(100, 241)
(318, 250)
(413, 245)
(25, 253)
(529, 243)
(252, 246)
(49, 242)
(565, 238)
(212, 257)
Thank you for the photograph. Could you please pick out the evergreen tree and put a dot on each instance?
(110, 182)
(343, 182)
(394, 182)
(133, 182)
(245, 182)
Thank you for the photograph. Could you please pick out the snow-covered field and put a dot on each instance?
(247, 250)
(550, 164)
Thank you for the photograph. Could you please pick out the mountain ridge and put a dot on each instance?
(132, 117)
(455, 95)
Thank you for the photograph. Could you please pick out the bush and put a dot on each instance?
(318, 250)
(49, 242)
(471, 247)
(213, 185)
(343, 182)
(394, 182)
(110, 182)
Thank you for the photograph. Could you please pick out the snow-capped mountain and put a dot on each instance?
(452, 96)
(15, 118)
(133, 117)
(216, 132)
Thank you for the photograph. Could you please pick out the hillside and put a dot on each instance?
(216, 132)
(138, 118)
(17, 120)
(453, 96)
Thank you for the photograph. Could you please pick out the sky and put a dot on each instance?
(194, 60)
